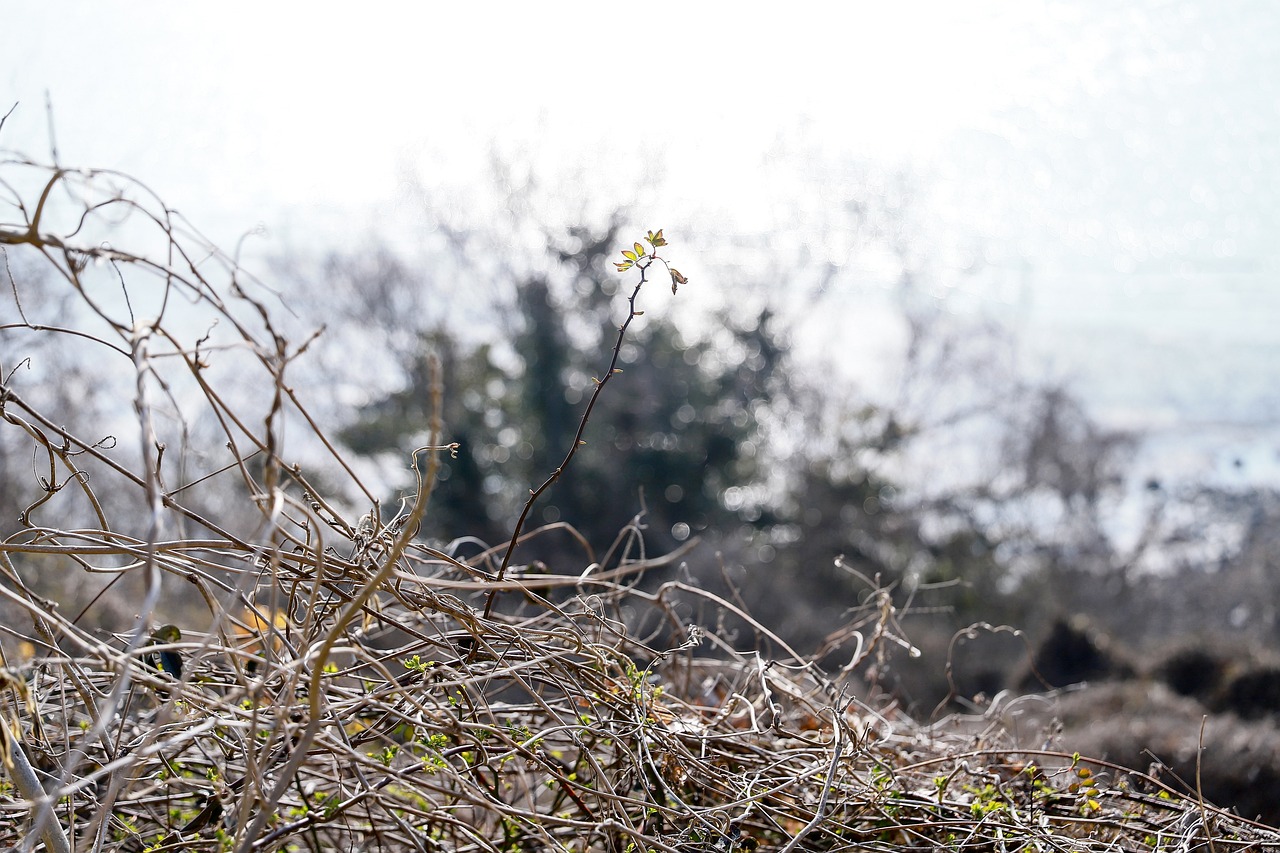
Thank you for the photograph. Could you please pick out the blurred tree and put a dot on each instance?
(939, 485)
(465, 503)
(667, 440)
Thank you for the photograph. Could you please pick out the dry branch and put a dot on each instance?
(347, 687)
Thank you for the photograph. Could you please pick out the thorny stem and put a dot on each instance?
(577, 438)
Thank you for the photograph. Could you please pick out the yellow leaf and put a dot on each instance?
(639, 250)
(629, 255)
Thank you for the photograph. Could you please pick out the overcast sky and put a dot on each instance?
(1110, 170)
(240, 108)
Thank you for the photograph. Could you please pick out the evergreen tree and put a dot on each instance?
(666, 440)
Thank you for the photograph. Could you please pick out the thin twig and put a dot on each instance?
(577, 438)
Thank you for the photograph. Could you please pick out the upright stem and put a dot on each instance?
(577, 440)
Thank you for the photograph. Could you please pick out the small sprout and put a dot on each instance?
(637, 252)
(386, 756)
(437, 742)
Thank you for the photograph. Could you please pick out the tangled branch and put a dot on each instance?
(341, 685)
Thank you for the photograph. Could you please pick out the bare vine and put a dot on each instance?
(326, 681)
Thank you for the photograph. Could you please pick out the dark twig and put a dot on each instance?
(578, 440)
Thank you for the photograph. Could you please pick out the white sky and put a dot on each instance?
(239, 107)
(1122, 158)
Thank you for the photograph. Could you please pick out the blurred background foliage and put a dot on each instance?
(977, 493)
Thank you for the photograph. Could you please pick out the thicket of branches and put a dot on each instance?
(343, 684)
(720, 432)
